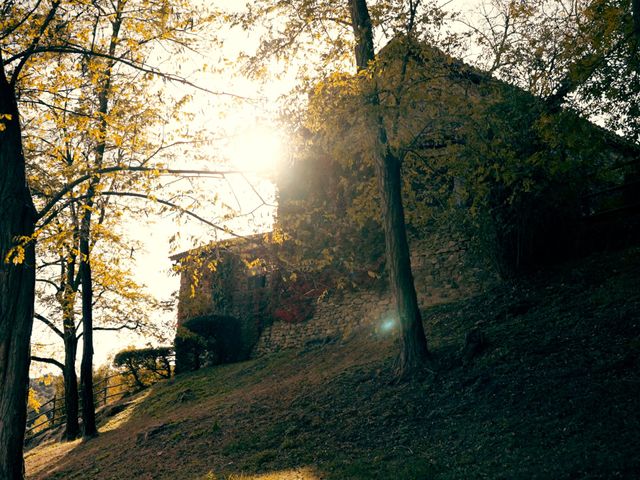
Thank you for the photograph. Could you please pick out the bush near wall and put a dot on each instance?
(209, 340)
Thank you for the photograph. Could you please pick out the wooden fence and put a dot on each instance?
(55, 415)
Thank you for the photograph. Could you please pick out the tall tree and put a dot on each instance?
(119, 304)
(17, 260)
(319, 32)
(32, 34)
(17, 283)
(413, 353)
(66, 289)
(104, 94)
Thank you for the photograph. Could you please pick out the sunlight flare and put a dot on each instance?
(258, 149)
(387, 325)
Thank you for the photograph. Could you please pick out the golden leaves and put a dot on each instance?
(16, 255)
(278, 236)
(4, 116)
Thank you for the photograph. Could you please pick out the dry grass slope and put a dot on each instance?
(555, 394)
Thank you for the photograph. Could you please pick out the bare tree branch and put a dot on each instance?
(48, 360)
(124, 168)
(49, 324)
(76, 50)
(125, 326)
(175, 207)
(50, 282)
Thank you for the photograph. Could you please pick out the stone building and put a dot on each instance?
(240, 280)
(293, 306)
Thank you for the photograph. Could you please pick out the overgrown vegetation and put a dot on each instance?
(508, 173)
(483, 161)
(208, 340)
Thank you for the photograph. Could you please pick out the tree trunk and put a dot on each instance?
(67, 302)
(86, 365)
(414, 352)
(17, 285)
(72, 428)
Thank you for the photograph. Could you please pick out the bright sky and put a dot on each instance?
(256, 150)
(253, 145)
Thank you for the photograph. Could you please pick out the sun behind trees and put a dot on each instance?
(304, 26)
(570, 63)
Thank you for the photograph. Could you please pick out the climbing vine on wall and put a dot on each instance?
(222, 283)
(294, 298)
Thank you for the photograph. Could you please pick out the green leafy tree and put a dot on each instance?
(145, 365)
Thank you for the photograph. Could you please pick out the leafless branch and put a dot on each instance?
(175, 207)
(48, 360)
(124, 168)
(77, 50)
(124, 326)
(52, 283)
(49, 324)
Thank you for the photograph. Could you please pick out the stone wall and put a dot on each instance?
(229, 280)
(333, 319)
(441, 275)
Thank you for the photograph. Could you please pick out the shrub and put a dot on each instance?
(208, 340)
(145, 365)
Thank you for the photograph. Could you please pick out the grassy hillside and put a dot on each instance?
(555, 394)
